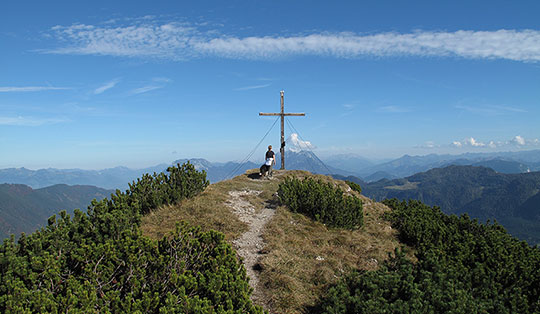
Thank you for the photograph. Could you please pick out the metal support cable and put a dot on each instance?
(246, 159)
(289, 123)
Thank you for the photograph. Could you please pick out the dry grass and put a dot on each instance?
(208, 210)
(305, 257)
(302, 257)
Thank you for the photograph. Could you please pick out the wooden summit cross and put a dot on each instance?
(282, 114)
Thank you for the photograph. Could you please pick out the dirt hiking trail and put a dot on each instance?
(250, 244)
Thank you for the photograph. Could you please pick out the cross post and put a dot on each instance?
(282, 114)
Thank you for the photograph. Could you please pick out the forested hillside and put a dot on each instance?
(512, 199)
(23, 209)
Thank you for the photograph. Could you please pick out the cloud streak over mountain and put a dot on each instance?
(183, 42)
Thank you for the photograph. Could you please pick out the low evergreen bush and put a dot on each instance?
(153, 191)
(321, 201)
(462, 267)
(99, 262)
(354, 186)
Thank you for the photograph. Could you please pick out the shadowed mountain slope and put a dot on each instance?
(23, 209)
(511, 199)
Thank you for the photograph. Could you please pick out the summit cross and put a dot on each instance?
(282, 114)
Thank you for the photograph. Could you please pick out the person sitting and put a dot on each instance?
(270, 160)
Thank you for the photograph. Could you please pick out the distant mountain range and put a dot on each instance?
(216, 171)
(349, 162)
(503, 162)
(113, 178)
(441, 191)
(23, 209)
(511, 199)
(307, 160)
(119, 177)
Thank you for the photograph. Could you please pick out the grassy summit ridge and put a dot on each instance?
(407, 257)
(301, 258)
(136, 252)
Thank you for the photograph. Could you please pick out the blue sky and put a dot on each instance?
(98, 84)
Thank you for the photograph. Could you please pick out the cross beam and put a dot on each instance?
(282, 114)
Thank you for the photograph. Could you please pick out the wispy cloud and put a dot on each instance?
(161, 80)
(145, 89)
(29, 121)
(155, 83)
(393, 109)
(428, 145)
(107, 86)
(8, 89)
(509, 108)
(251, 87)
(491, 110)
(181, 41)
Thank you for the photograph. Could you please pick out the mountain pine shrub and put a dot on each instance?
(354, 186)
(462, 267)
(99, 262)
(158, 189)
(322, 202)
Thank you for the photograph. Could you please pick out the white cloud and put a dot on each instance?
(472, 142)
(490, 109)
(7, 89)
(28, 121)
(170, 41)
(149, 38)
(105, 87)
(501, 44)
(518, 140)
(296, 144)
(392, 109)
(515, 141)
(157, 83)
(145, 89)
(510, 108)
(161, 79)
(428, 145)
(252, 87)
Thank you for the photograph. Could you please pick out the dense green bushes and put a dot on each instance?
(100, 262)
(153, 191)
(354, 186)
(462, 267)
(322, 202)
